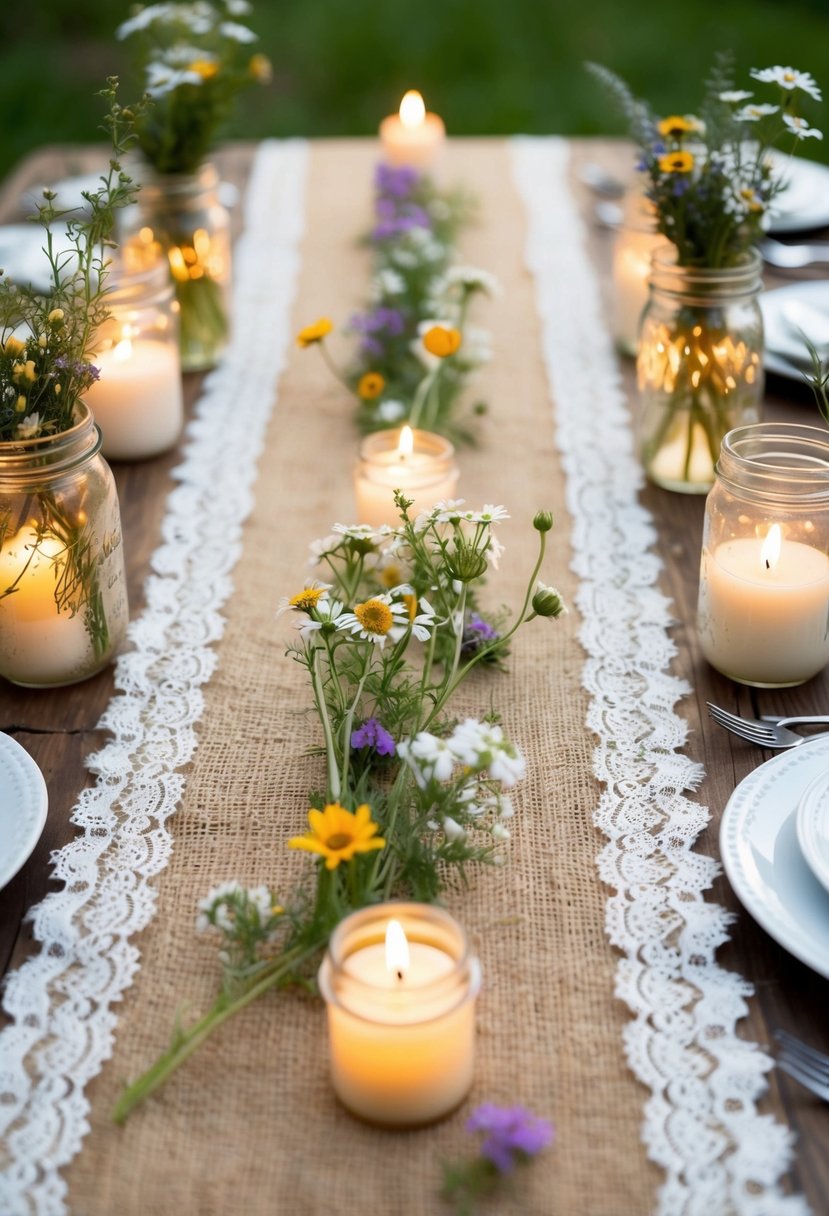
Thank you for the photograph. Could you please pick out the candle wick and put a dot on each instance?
(768, 564)
(400, 975)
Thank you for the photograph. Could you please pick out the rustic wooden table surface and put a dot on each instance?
(58, 728)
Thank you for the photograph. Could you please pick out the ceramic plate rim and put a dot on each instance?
(774, 360)
(805, 218)
(815, 856)
(734, 850)
(15, 757)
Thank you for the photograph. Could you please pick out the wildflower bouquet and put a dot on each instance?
(416, 288)
(410, 791)
(712, 180)
(46, 352)
(194, 58)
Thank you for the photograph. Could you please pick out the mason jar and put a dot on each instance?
(699, 366)
(763, 615)
(181, 217)
(633, 247)
(63, 599)
(137, 402)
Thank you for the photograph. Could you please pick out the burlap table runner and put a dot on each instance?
(250, 1125)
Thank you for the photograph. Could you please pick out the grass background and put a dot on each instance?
(487, 66)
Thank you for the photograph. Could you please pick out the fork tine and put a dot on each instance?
(796, 1070)
(747, 728)
(810, 1056)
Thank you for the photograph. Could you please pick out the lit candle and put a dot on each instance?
(400, 987)
(38, 644)
(418, 463)
(635, 242)
(413, 136)
(764, 609)
(137, 402)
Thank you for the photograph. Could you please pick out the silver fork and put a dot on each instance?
(765, 733)
(806, 1064)
(794, 257)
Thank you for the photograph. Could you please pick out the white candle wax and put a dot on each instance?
(39, 645)
(401, 1034)
(413, 136)
(670, 463)
(631, 283)
(137, 402)
(426, 474)
(760, 624)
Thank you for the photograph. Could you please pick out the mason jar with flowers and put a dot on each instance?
(194, 58)
(63, 604)
(711, 180)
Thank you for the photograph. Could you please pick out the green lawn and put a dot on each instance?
(488, 66)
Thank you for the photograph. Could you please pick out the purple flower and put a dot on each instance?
(513, 1133)
(372, 734)
(477, 633)
(371, 348)
(397, 182)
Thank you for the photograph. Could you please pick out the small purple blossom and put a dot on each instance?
(513, 1133)
(371, 348)
(397, 182)
(477, 633)
(373, 734)
(379, 320)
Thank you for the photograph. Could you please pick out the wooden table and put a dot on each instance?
(58, 728)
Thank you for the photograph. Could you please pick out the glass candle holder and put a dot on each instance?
(63, 599)
(418, 463)
(635, 242)
(699, 366)
(763, 615)
(401, 1033)
(137, 402)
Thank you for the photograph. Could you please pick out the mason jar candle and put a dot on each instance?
(418, 463)
(400, 986)
(137, 401)
(763, 614)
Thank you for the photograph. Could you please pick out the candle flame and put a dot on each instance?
(122, 351)
(412, 110)
(770, 551)
(397, 949)
(405, 444)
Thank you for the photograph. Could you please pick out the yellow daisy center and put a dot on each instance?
(390, 576)
(307, 599)
(339, 840)
(374, 616)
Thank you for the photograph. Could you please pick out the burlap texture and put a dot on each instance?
(250, 1125)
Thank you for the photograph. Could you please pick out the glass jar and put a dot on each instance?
(63, 599)
(180, 216)
(699, 366)
(763, 615)
(418, 463)
(401, 1028)
(137, 402)
(636, 239)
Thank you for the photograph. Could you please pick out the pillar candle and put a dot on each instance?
(764, 609)
(137, 402)
(418, 463)
(412, 136)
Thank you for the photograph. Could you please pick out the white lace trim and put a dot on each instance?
(60, 999)
(700, 1123)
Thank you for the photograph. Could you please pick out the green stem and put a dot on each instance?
(322, 709)
(349, 721)
(420, 397)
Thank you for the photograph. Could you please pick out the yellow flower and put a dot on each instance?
(676, 162)
(260, 69)
(307, 599)
(442, 340)
(206, 68)
(24, 372)
(56, 317)
(338, 835)
(371, 385)
(314, 333)
(20, 405)
(676, 127)
(13, 347)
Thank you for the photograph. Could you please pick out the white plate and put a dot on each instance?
(762, 857)
(23, 803)
(805, 204)
(813, 828)
(69, 194)
(22, 254)
(786, 310)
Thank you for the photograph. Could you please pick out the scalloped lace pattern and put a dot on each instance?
(701, 1125)
(60, 999)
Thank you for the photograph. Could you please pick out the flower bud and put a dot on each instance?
(466, 564)
(543, 521)
(547, 601)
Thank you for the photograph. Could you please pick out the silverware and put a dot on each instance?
(765, 732)
(609, 215)
(794, 257)
(806, 1064)
(600, 181)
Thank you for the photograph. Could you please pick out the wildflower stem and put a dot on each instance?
(322, 709)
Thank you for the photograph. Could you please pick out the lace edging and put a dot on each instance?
(60, 1000)
(701, 1124)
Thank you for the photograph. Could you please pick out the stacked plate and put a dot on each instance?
(774, 844)
(23, 805)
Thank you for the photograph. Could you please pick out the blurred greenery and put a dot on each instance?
(487, 66)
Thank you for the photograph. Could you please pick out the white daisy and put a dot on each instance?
(29, 427)
(391, 411)
(363, 532)
(789, 78)
(472, 279)
(422, 623)
(800, 127)
(452, 829)
(327, 611)
(374, 620)
(755, 112)
(426, 754)
(733, 97)
(236, 32)
(162, 78)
